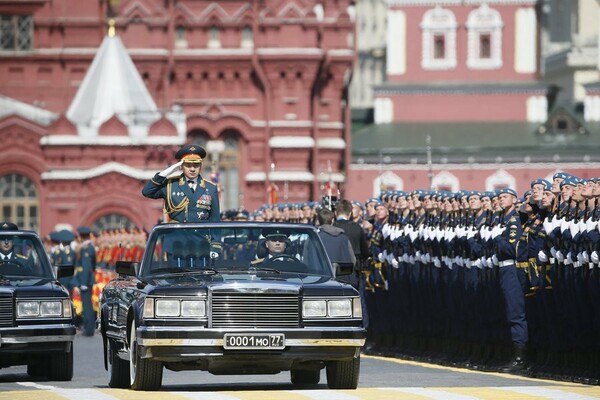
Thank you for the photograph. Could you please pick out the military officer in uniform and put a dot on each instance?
(188, 197)
(84, 278)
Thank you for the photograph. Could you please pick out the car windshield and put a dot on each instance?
(23, 256)
(235, 249)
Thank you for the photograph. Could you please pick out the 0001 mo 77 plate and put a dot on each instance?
(244, 341)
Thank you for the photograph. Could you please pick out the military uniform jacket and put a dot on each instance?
(85, 265)
(181, 204)
(507, 243)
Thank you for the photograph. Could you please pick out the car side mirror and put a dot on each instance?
(127, 268)
(65, 270)
(343, 268)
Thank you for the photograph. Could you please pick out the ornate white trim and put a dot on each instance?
(484, 20)
(500, 178)
(445, 178)
(384, 110)
(537, 109)
(65, 140)
(385, 179)
(525, 41)
(591, 111)
(81, 174)
(438, 21)
(256, 176)
(396, 42)
(331, 143)
(291, 142)
(294, 176)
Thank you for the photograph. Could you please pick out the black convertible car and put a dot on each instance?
(36, 315)
(216, 297)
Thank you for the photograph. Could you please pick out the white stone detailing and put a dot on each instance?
(537, 109)
(291, 124)
(291, 142)
(396, 42)
(591, 109)
(445, 179)
(484, 21)
(81, 174)
(331, 143)
(438, 22)
(331, 177)
(293, 176)
(256, 176)
(525, 41)
(384, 110)
(387, 180)
(500, 179)
(62, 140)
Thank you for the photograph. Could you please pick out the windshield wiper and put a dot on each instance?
(264, 269)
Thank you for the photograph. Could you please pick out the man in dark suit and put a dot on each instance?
(356, 235)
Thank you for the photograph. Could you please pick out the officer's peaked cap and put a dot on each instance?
(191, 153)
(8, 226)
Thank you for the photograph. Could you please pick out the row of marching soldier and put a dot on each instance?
(489, 280)
(94, 255)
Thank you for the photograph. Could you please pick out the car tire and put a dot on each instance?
(145, 374)
(305, 376)
(61, 366)
(119, 368)
(343, 374)
(37, 369)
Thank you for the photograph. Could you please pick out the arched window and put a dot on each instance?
(247, 38)
(229, 171)
(500, 180)
(387, 181)
(180, 39)
(439, 39)
(19, 201)
(214, 41)
(112, 221)
(445, 181)
(484, 38)
(198, 136)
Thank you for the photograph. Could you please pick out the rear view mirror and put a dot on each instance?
(343, 268)
(127, 268)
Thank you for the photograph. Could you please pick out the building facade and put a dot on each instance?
(464, 105)
(88, 113)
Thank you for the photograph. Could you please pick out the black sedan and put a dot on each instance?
(36, 314)
(232, 298)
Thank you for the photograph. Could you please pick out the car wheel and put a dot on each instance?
(305, 376)
(144, 374)
(343, 374)
(37, 369)
(119, 368)
(61, 366)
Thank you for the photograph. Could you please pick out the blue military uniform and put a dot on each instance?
(84, 278)
(194, 201)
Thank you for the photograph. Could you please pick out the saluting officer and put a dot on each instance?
(188, 197)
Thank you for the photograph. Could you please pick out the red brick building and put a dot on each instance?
(86, 117)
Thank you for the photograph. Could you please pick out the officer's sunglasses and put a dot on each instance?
(6, 239)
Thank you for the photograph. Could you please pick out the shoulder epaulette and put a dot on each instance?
(257, 261)
(211, 182)
(21, 256)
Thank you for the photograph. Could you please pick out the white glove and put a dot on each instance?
(214, 254)
(585, 257)
(574, 228)
(394, 263)
(564, 225)
(470, 233)
(553, 252)
(437, 262)
(477, 263)
(411, 260)
(547, 226)
(468, 263)
(594, 257)
(490, 262)
(390, 259)
(568, 259)
(405, 257)
(83, 288)
(559, 256)
(386, 231)
(381, 257)
(427, 257)
(494, 260)
(543, 257)
(591, 224)
(484, 262)
(169, 170)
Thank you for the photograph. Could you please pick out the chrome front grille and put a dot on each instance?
(6, 312)
(254, 310)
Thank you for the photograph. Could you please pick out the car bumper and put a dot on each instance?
(171, 344)
(37, 338)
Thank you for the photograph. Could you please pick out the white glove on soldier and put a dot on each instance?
(543, 257)
(169, 170)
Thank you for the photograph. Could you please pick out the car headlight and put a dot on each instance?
(44, 308)
(171, 308)
(332, 308)
(167, 308)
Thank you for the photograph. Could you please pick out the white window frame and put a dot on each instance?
(438, 21)
(484, 21)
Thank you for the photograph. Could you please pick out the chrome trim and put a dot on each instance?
(36, 339)
(219, 342)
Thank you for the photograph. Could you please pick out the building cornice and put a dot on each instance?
(331, 143)
(474, 166)
(81, 174)
(291, 142)
(460, 88)
(116, 141)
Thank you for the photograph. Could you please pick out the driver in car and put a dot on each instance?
(275, 244)
(7, 253)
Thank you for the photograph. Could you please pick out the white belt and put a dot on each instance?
(506, 263)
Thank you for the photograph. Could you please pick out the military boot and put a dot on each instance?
(517, 362)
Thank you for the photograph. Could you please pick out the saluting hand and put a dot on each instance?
(169, 170)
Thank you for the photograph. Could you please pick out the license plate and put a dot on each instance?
(243, 341)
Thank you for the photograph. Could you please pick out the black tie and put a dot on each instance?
(191, 185)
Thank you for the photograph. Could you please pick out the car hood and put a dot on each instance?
(29, 286)
(267, 281)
